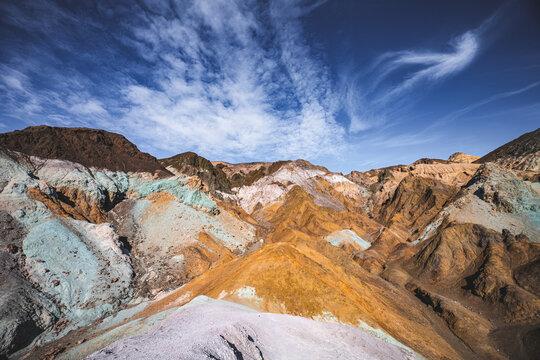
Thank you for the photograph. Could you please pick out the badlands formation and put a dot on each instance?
(109, 253)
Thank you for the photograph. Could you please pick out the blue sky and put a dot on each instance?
(350, 85)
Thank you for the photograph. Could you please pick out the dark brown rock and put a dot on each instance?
(191, 164)
(520, 154)
(12, 248)
(89, 147)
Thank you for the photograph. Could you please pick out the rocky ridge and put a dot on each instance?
(522, 153)
(460, 157)
(191, 164)
(88, 147)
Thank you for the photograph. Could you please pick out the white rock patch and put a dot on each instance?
(213, 329)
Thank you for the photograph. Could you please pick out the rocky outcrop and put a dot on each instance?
(497, 199)
(191, 164)
(495, 280)
(218, 175)
(464, 323)
(57, 269)
(383, 183)
(415, 203)
(429, 161)
(448, 255)
(173, 241)
(460, 157)
(522, 153)
(89, 147)
(25, 313)
(64, 265)
(71, 190)
(487, 264)
(272, 188)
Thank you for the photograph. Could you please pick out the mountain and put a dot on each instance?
(89, 147)
(460, 157)
(522, 153)
(198, 259)
(191, 164)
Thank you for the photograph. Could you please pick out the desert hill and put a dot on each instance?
(462, 158)
(438, 259)
(522, 153)
(191, 164)
(88, 147)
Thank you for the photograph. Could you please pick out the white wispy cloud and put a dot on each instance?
(66, 103)
(232, 79)
(436, 65)
(372, 97)
(88, 107)
(403, 140)
(458, 113)
(13, 81)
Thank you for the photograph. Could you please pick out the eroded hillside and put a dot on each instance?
(437, 259)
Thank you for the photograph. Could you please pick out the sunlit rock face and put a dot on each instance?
(80, 265)
(70, 272)
(69, 263)
(173, 240)
(460, 157)
(437, 259)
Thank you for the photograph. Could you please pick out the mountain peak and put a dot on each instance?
(522, 153)
(191, 164)
(459, 157)
(88, 147)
